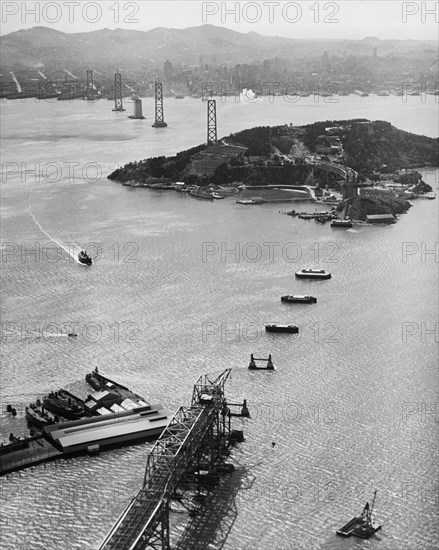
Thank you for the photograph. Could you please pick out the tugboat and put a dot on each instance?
(65, 404)
(313, 274)
(363, 526)
(37, 415)
(83, 258)
(282, 328)
(297, 299)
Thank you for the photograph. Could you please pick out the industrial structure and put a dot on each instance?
(118, 102)
(159, 116)
(195, 439)
(211, 122)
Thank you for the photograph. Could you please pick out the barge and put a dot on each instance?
(362, 526)
(298, 299)
(313, 274)
(341, 223)
(292, 329)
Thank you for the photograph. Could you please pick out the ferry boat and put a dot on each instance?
(201, 194)
(282, 328)
(298, 299)
(255, 200)
(313, 274)
(362, 526)
(83, 258)
(65, 404)
(341, 223)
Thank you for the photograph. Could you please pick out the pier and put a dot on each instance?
(199, 434)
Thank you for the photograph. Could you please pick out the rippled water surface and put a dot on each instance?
(351, 405)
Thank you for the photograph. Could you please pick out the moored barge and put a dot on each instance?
(298, 299)
(313, 274)
(292, 329)
(362, 526)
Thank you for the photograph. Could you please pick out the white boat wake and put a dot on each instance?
(72, 250)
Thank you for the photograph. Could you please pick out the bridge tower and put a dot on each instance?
(89, 87)
(350, 186)
(211, 122)
(118, 102)
(159, 118)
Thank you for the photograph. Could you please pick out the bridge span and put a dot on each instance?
(199, 433)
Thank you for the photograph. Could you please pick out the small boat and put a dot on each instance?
(298, 299)
(83, 258)
(362, 526)
(72, 335)
(313, 274)
(217, 195)
(65, 404)
(282, 328)
(341, 223)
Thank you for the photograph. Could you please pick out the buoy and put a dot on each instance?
(9, 408)
(273, 444)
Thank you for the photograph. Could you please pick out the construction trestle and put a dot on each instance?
(195, 435)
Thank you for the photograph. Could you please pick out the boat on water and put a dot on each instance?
(83, 258)
(37, 415)
(254, 200)
(201, 193)
(217, 195)
(298, 299)
(103, 384)
(362, 526)
(65, 404)
(313, 274)
(341, 223)
(292, 329)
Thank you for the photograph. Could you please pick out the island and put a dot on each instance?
(363, 168)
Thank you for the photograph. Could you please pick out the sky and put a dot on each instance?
(347, 19)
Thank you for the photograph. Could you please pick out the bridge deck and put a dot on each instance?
(168, 460)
